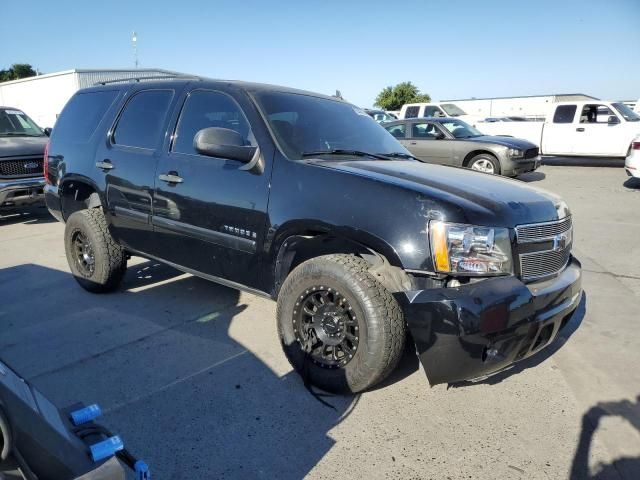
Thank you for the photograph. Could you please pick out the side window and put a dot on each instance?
(433, 112)
(82, 114)
(204, 109)
(397, 131)
(564, 114)
(595, 114)
(427, 131)
(140, 124)
(412, 112)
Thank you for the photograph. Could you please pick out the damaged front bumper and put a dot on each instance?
(474, 330)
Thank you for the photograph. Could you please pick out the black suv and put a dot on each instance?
(305, 199)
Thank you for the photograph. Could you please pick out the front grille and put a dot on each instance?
(538, 232)
(543, 264)
(544, 248)
(531, 153)
(24, 167)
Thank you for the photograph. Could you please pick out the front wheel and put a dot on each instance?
(339, 327)
(96, 261)
(485, 163)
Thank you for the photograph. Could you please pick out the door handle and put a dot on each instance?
(413, 143)
(105, 165)
(171, 177)
(579, 129)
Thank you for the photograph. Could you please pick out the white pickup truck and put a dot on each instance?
(436, 109)
(587, 128)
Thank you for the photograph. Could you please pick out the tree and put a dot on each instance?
(17, 70)
(392, 98)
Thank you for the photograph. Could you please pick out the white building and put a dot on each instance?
(527, 106)
(43, 97)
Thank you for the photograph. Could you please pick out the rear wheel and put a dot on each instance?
(339, 327)
(485, 163)
(96, 261)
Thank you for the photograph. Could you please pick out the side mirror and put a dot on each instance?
(223, 143)
(613, 120)
(440, 136)
(47, 131)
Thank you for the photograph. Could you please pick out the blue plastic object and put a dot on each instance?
(86, 414)
(105, 449)
(142, 471)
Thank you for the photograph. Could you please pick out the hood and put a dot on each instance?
(461, 195)
(22, 146)
(510, 142)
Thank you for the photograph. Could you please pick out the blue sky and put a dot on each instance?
(450, 49)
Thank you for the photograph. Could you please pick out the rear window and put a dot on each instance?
(141, 121)
(412, 112)
(82, 114)
(564, 114)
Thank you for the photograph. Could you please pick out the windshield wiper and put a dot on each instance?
(397, 155)
(19, 134)
(340, 151)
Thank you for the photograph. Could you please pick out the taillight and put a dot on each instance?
(46, 164)
(635, 145)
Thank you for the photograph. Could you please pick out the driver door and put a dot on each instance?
(429, 143)
(209, 213)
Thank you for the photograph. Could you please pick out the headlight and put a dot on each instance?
(514, 152)
(470, 250)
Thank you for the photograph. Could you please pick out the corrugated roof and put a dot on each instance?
(523, 96)
(114, 71)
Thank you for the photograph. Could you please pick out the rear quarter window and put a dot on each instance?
(82, 114)
(564, 114)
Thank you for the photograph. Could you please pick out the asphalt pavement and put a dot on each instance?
(192, 376)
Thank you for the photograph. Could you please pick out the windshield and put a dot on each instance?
(460, 129)
(452, 110)
(16, 123)
(304, 123)
(628, 114)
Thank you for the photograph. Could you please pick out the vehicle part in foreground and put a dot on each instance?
(39, 441)
(632, 162)
(304, 199)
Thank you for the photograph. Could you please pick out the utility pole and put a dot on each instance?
(134, 41)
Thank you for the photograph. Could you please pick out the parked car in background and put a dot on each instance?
(380, 116)
(299, 197)
(450, 141)
(419, 110)
(22, 145)
(585, 128)
(632, 162)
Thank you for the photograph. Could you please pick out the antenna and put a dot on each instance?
(134, 41)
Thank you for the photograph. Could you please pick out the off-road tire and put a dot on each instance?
(110, 258)
(380, 320)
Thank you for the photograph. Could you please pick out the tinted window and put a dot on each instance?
(397, 131)
(424, 130)
(16, 123)
(412, 112)
(140, 124)
(82, 114)
(564, 114)
(208, 109)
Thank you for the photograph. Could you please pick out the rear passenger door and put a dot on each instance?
(128, 160)
(211, 218)
(429, 143)
(560, 136)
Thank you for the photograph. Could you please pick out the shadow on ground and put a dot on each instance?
(583, 161)
(626, 467)
(186, 396)
(27, 216)
(538, 358)
(532, 177)
(632, 183)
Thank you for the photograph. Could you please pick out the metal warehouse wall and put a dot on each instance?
(44, 97)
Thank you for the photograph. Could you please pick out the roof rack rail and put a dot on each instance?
(154, 77)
